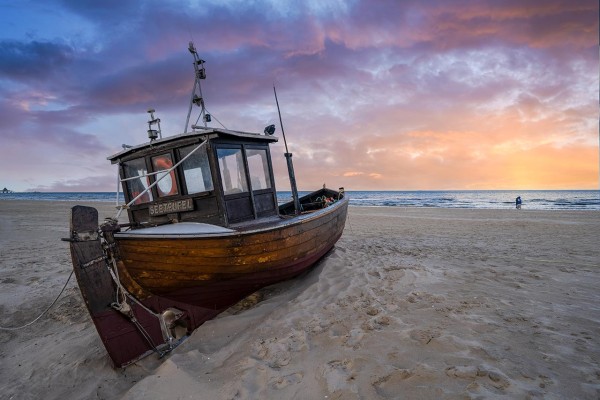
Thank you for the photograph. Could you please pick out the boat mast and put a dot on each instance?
(196, 97)
(290, 165)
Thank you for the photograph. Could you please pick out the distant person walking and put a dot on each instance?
(518, 202)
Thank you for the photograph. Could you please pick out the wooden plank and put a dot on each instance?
(242, 240)
(191, 262)
(200, 248)
(122, 340)
(219, 293)
(165, 276)
(197, 258)
(90, 268)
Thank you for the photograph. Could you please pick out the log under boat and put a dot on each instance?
(205, 230)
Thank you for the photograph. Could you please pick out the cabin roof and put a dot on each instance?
(202, 132)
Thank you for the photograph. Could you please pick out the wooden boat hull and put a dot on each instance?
(198, 277)
(215, 272)
(124, 340)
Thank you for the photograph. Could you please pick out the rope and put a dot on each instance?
(146, 335)
(119, 306)
(123, 306)
(166, 171)
(42, 314)
(115, 277)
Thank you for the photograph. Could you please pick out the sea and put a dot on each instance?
(490, 199)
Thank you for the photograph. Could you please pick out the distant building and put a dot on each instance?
(5, 190)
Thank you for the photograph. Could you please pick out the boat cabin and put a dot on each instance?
(214, 176)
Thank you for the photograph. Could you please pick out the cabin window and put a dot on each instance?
(137, 169)
(167, 185)
(233, 171)
(258, 165)
(196, 170)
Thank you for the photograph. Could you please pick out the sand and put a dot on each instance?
(413, 303)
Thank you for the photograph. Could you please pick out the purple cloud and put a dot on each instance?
(33, 61)
(375, 84)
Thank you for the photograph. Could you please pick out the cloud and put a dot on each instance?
(379, 95)
(33, 61)
(85, 184)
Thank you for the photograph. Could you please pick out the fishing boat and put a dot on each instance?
(205, 231)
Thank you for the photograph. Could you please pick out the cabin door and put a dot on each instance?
(261, 180)
(247, 181)
(236, 191)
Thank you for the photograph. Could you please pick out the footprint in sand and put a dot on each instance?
(424, 336)
(544, 381)
(274, 353)
(423, 297)
(281, 382)
(339, 376)
(375, 274)
(375, 323)
(417, 381)
(353, 338)
(277, 353)
(394, 274)
(389, 384)
(479, 375)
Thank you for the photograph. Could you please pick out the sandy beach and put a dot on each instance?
(413, 303)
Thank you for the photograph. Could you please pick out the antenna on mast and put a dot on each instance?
(288, 157)
(197, 98)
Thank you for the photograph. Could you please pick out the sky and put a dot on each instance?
(374, 95)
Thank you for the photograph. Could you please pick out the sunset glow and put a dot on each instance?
(375, 95)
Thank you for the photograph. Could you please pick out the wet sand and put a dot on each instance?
(413, 303)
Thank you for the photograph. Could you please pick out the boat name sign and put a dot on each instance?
(171, 206)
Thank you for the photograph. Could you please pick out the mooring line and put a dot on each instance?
(42, 314)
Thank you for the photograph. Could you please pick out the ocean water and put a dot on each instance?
(491, 199)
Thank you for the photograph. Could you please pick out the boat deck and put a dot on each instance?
(258, 223)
